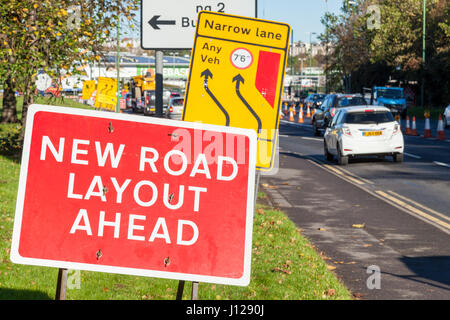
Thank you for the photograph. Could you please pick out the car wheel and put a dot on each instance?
(328, 156)
(398, 157)
(315, 131)
(342, 160)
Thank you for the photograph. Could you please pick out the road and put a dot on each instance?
(371, 214)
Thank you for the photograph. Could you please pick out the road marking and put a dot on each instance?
(283, 135)
(419, 205)
(413, 209)
(315, 139)
(441, 164)
(412, 155)
(358, 177)
(357, 181)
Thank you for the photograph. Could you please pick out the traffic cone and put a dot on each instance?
(308, 112)
(293, 108)
(413, 127)
(427, 131)
(291, 115)
(300, 115)
(285, 108)
(408, 129)
(281, 115)
(440, 129)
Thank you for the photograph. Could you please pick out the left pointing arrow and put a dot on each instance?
(154, 22)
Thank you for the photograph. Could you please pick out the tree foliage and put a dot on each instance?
(394, 48)
(54, 36)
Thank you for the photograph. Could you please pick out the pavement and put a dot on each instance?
(377, 250)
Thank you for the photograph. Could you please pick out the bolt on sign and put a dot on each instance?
(175, 201)
(236, 77)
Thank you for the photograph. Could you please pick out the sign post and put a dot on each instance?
(236, 77)
(177, 206)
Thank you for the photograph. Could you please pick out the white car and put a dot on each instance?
(175, 108)
(447, 116)
(363, 131)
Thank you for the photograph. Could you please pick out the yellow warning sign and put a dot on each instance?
(236, 76)
(106, 93)
(88, 89)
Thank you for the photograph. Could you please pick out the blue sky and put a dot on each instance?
(302, 15)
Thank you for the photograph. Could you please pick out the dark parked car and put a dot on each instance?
(314, 100)
(325, 113)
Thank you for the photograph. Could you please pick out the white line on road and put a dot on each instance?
(412, 155)
(308, 138)
(283, 135)
(442, 164)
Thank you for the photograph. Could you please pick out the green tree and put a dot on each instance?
(54, 36)
(394, 48)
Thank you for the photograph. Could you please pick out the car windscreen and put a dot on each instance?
(390, 93)
(368, 117)
(350, 101)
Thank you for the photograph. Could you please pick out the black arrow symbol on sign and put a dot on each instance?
(238, 80)
(154, 22)
(207, 74)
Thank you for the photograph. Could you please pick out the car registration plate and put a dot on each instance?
(371, 133)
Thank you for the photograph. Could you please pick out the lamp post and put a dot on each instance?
(422, 89)
(310, 49)
(326, 48)
(118, 61)
(292, 51)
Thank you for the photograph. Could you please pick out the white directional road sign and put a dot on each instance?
(170, 24)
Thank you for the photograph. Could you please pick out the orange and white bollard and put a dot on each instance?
(440, 129)
(413, 127)
(407, 129)
(300, 115)
(427, 131)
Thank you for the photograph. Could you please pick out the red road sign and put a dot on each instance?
(135, 195)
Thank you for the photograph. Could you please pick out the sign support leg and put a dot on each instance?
(180, 290)
(159, 56)
(194, 290)
(61, 285)
(258, 176)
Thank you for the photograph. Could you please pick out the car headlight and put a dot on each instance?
(396, 129)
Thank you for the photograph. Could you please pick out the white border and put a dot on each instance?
(16, 258)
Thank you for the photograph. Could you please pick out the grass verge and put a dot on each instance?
(284, 265)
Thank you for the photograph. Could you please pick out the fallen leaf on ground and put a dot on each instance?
(331, 292)
(360, 226)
